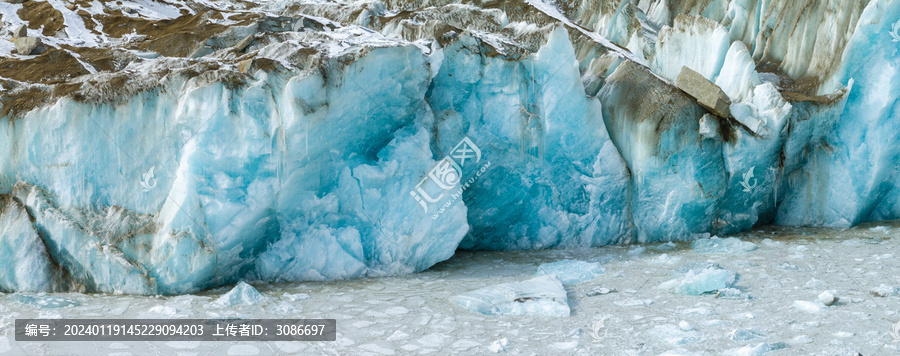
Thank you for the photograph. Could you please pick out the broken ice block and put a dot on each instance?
(541, 296)
(571, 271)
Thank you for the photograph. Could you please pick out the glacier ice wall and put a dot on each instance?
(315, 141)
(550, 153)
(852, 177)
(198, 183)
(678, 175)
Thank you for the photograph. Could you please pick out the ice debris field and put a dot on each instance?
(799, 291)
(166, 147)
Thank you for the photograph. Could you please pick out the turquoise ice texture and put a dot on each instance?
(308, 174)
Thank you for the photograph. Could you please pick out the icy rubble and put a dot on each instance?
(701, 279)
(163, 148)
(809, 307)
(884, 290)
(241, 294)
(674, 335)
(44, 301)
(541, 296)
(724, 246)
(757, 349)
(746, 334)
(571, 271)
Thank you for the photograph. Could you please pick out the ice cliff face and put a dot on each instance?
(165, 147)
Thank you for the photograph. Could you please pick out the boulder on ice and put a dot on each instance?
(707, 94)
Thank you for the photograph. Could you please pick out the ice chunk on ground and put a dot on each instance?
(699, 281)
(633, 302)
(673, 335)
(732, 293)
(787, 266)
(746, 334)
(757, 350)
(296, 297)
(802, 339)
(885, 290)
(809, 307)
(668, 246)
(43, 301)
(541, 296)
(724, 246)
(499, 345)
(680, 352)
(242, 294)
(162, 311)
(879, 229)
(564, 345)
(599, 291)
(827, 298)
(571, 271)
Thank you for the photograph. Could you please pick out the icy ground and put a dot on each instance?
(414, 314)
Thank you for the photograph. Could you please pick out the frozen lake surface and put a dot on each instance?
(636, 304)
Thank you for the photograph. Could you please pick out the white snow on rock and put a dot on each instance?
(541, 296)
